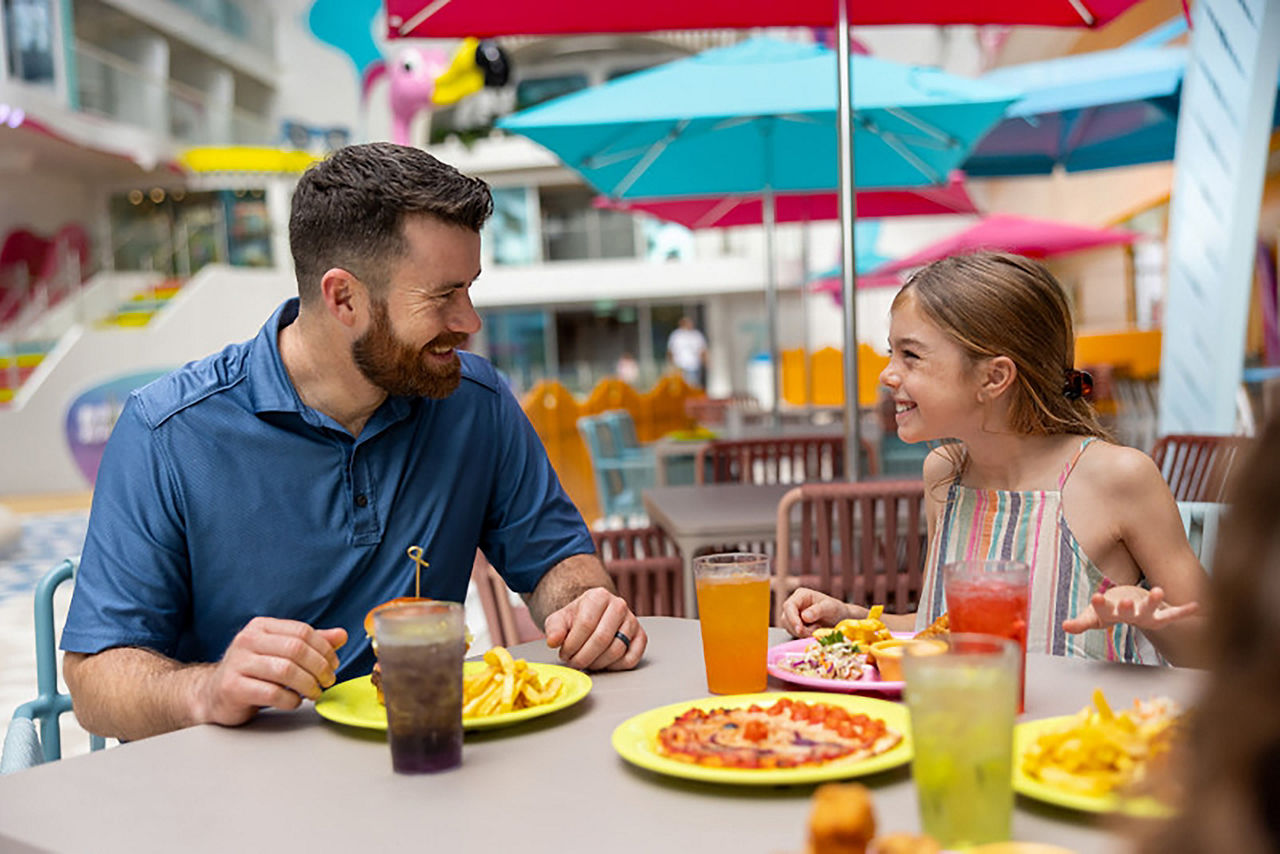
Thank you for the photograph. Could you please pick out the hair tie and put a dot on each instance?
(1077, 384)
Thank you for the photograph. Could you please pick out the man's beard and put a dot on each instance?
(399, 369)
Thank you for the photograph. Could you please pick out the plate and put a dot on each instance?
(636, 741)
(871, 685)
(1024, 734)
(355, 702)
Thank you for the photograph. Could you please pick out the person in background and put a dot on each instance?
(687, 350)
(253, 506)
(982, 350)
(628, 369)
(1231, 775)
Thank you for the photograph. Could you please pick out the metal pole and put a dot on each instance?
(848, 215)
(771, 298)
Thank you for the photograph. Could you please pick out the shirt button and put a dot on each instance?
(362, 500)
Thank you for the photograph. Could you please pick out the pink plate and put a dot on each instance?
(871, 683)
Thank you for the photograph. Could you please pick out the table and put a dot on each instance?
(713, 514)
(294, 782)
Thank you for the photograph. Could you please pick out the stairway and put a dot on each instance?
(141, 307)
(29, 355)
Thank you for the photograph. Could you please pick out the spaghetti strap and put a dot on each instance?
(1069, 467)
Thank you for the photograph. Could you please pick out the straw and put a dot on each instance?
(415, 554)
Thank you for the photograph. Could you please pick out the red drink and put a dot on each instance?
(990, 598)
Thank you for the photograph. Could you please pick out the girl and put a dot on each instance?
(981, 352)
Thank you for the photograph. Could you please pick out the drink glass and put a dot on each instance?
(990, 597)
(733, 608)
(420, 651)
(962, 704)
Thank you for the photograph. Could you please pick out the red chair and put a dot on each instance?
(863, 543)
(645, 566)
(1198, 467)
(780, 459)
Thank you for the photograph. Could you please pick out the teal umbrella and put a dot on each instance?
(761, 117)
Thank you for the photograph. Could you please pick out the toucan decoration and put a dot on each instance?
(424, 78)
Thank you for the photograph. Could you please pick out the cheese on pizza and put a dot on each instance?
(785, 735)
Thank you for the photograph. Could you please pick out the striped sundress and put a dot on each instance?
(997, 524)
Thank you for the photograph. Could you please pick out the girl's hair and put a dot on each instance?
(997, 304)
(1232, 770)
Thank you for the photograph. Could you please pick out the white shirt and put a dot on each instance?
(686, 347)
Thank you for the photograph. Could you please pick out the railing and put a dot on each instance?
(116, 88)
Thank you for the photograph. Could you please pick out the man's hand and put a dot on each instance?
(586, 630)
(271, 663)
(806, 610)
(1145, 609)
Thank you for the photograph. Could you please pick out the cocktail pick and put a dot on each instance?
(415, 554)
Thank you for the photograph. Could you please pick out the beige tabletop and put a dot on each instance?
(295, 782)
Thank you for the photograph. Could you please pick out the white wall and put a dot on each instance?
(217, 307)
(44, 202)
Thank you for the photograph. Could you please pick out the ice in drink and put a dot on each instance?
(733, 608)
(962, 706)
(990, 598)
(421, 660)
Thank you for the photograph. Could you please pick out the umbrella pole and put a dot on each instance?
(770, 219)
(848, 273)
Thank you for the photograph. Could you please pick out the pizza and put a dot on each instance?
(787, 734)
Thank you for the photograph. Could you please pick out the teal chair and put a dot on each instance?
(620, 478)
(1200, 519)
(24, 746)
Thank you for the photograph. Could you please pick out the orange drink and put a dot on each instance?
(733, 608)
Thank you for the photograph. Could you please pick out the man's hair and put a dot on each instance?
(349, 210)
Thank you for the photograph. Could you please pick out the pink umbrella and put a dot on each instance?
(486, 18)
(817, 206)
(1035, 238)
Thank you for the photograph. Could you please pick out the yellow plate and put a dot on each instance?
(355, 702)
(1024, 734)
(636, 741)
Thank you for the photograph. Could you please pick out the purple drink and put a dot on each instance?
(421, 660)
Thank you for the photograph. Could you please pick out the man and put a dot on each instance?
(687, 350)
(253, 506)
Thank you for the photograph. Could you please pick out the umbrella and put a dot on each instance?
(1090, 111)
(818, 206)
(760, 117)
(483, 18)
(1035, 238)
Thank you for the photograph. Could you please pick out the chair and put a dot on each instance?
(620, 479)
(23, 746)
(780, 459)
(1197, 467)
(863, 543)
(622, 429)
(1200, 519)
(509, 623)
(646, 567)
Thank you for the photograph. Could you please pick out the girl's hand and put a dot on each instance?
(806, 610)
(1145, 609)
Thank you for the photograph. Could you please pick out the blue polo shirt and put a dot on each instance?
(222, 497)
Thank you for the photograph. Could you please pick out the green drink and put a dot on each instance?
(963, 703)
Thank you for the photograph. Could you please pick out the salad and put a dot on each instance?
(832, 656)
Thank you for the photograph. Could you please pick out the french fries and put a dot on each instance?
(867, 630)
(1101, 751)
(505, 685)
